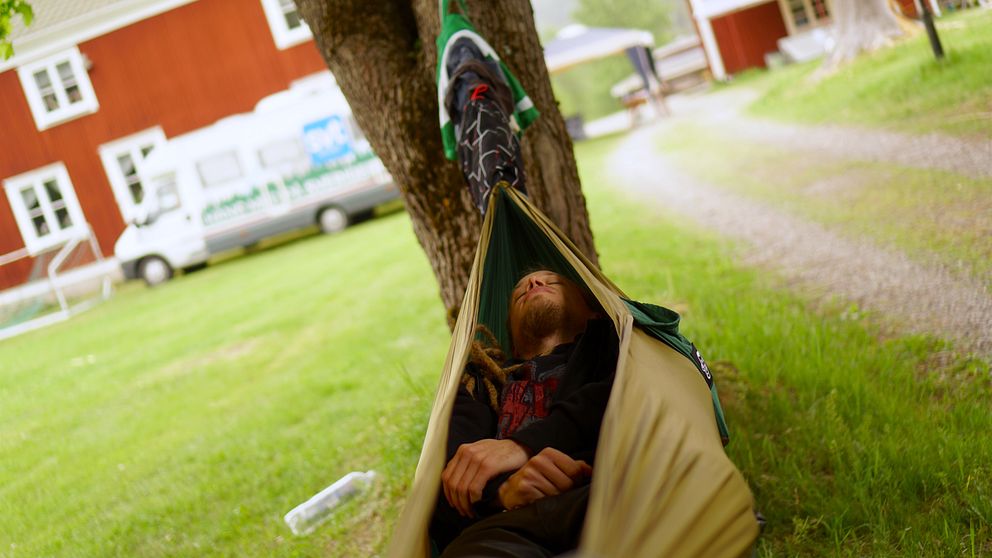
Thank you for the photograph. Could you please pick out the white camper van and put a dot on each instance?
(297, 160)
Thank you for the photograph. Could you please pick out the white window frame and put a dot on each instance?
(298, 156)
(130, 145)
(281, 33)
(212, 161)
(813, 20)
(44, 118)
(36, 179)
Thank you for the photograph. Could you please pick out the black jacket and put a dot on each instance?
(572, 425)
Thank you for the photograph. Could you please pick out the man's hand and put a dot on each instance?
(548, 473)
(474, 465)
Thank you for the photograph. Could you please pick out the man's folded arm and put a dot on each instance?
(574, 419)
(572, 425)
(471, 420)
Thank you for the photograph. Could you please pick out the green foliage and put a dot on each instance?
(901, 87)
(186, 420)
(8, 10)
(651, 15)
(585, 89)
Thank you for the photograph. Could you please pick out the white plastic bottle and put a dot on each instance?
(303, 519)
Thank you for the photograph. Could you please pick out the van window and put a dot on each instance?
(219, 169)
(281, 152)
(166, 192)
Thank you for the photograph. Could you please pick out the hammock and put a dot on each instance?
(662, 484)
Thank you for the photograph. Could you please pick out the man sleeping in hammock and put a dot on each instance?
(523, 432)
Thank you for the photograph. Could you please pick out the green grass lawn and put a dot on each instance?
(930, 214)
(186, 420)
(901, 87)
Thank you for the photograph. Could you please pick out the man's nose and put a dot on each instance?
(535, 282)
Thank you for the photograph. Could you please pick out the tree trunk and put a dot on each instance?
(383, 56)
(861, 25)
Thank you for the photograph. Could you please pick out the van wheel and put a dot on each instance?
(332, 220)
(154, 270)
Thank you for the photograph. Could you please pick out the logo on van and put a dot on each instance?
(326, 139)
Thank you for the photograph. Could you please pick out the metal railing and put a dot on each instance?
(37, 294)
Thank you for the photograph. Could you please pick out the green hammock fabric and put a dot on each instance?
(662, 483)
(518, 245)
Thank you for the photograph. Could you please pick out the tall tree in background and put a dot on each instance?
(651, 15)
(860, 26)
(383, 56)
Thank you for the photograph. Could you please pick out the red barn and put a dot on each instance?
(909, 9)
(95, 85)
(737, 34)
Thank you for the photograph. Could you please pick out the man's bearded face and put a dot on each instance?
(544, 302)
(542, 315)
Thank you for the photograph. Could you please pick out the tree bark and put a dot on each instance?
(860, 26)
(383, 55)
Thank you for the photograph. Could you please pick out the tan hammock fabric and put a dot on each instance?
(662, 484)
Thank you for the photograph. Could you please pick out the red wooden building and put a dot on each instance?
(909, 8)
(95, 85)
(737, 34)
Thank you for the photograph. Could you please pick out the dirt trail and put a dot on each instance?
(921, 298)
(932, 151)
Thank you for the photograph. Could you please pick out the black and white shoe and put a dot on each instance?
(480, 104)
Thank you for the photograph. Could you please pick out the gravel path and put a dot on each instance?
(933, 151)
(920, 298)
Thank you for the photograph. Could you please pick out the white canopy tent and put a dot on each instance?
(577, 44)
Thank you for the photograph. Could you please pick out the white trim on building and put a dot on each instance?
(122, 160)
(288, 27)
(63, 35)
(45, 207)
(712, 48)
(58, 88)
(703, 11)
(717, 8)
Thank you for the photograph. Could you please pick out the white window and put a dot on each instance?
(288, 28)
(282, 153)
(58, 88)
(219, 169)
(123, 160)
(803, 14)
(166, 192)
(45, 207)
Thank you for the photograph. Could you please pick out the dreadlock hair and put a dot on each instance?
(484, 376)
